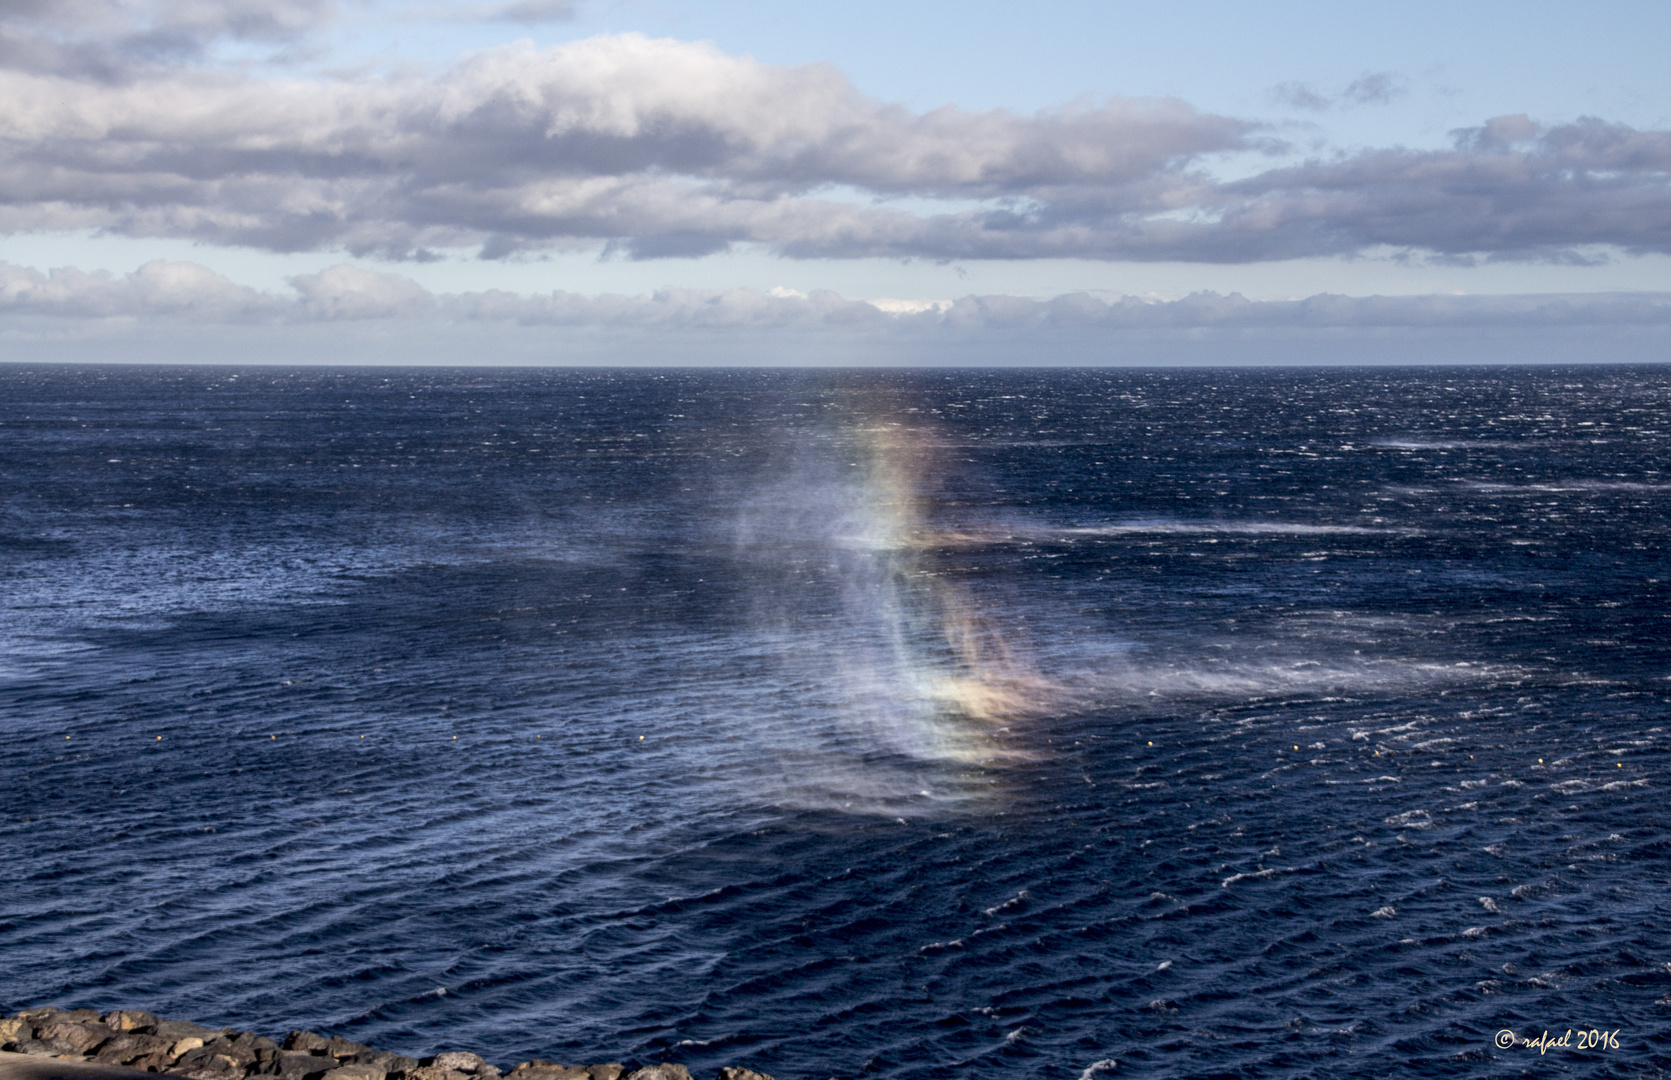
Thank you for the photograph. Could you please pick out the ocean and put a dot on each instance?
(899, 724)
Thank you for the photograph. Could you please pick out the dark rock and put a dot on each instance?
(665, 1071)
(307, 1041)
(219, 1060)
(83, 1016)
(261, 1048)
(219, 1067)
(129, 1020)
(44, 1048)
(733, 1072)
(130, 1047)
(85, 1037)
(156, 1062)
(300, 1065)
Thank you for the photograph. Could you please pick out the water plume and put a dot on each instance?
(897, 655)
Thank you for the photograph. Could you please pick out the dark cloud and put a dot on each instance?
(659, 148)
(1510, 188)
(534, 11)
(110, 40)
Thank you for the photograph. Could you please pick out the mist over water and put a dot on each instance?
(894, 724)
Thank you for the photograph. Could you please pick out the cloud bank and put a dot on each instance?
(186, 292)
(659, 148)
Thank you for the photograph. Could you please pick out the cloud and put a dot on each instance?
(349, 292)
(654, 148)
(1509, 188)
(113, 40)
(186, 292)
(170, 290)
(1375, 88)
(512, 11)
(1300, 96)
(1370, 88)
(534, 11)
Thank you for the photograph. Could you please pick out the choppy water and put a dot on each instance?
(1255, 723)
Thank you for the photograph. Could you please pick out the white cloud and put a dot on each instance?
(350, 292)
(666, 148)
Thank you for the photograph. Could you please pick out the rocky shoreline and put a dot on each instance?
(138, 1040)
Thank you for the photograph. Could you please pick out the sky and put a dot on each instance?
(688, 181)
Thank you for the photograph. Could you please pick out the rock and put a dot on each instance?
(612, 1071)
(308, 1041)
(547, 1070)
(240, 1048)
(665, 1071)
(175, 1030)
(459, 1061)
(217, 1067)
(129, 1020)
(388, 1062)
(13, 1028)
(85, 1037)
(217, 1058)
(342, 1048)
(43, 1047)
(130, 1047)
(356, 1072)
(733, 1072)
(257, 1048)
(435, 1072)
(156, 1062)
(184, 1046)
(300, 1065)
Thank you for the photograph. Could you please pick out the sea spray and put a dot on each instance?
(902, 666)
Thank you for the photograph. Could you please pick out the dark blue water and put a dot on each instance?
(1136, 723)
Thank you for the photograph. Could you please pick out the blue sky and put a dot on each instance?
(257, 156)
